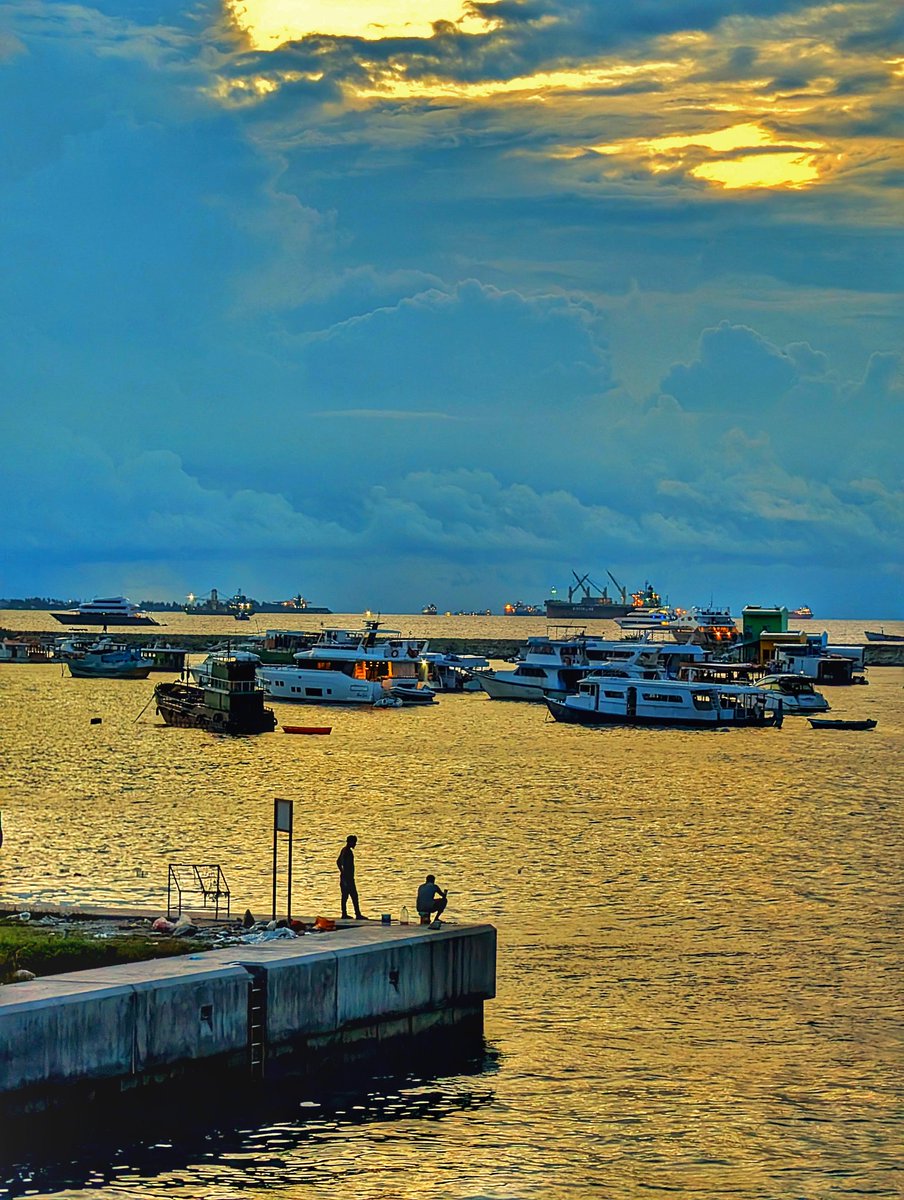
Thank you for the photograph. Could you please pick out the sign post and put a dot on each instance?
(282, 823)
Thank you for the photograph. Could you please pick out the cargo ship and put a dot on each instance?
(586, 601)
(241, 606)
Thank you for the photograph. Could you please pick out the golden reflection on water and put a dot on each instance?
(699, 933)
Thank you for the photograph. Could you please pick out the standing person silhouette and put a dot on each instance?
(346, 864)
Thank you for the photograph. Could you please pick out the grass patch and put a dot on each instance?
(54, 951)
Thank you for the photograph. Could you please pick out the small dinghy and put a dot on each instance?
(817, 723)
(307, 729)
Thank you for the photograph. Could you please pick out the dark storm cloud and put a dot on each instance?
(262, 323)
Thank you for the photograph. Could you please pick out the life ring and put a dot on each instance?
(217, 718)
(393, 654)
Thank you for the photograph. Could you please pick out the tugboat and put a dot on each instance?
(229, 701)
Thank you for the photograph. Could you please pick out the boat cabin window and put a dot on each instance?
(533, 672)
(703, 700)
(614, 695)
(662, 697)
(312, 691)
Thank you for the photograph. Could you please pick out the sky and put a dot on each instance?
(397, 303)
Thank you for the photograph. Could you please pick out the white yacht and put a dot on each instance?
(713, 628)
(115, 610)
(797, 693)
(447, 672)
(545, 667)
(555, 666)
(643, 620)
(637, 691)
(352, 667)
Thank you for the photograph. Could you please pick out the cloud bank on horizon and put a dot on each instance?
(435, 302)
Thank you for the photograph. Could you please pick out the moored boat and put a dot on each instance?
(712, 628)
(352, 667)
(114, 610)
(638, 692)
(553, 667)
(228, 701)
(879, 635)
(24, 650)
(106, 660)
(797, 693)
(869, 723)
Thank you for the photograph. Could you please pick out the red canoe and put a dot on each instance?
(307, 728)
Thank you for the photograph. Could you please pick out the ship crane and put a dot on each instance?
(623, 592)
(582, 586)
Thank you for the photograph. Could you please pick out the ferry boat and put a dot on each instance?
(804, 613)
(644, 620)
(553, 667)
(637, 691)
(713, 628)
(112, 610)
(352, 667)
(229, 700)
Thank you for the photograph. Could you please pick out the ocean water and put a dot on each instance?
(699, 974)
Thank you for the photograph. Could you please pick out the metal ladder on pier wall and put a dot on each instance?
(257, 1022)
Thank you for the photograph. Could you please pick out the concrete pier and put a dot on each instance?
(310, 1003)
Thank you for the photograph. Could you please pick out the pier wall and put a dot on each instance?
(241, 1008)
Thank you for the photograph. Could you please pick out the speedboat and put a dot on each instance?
(637, 691)
(115, 610)
(352, 667)
(797, 693)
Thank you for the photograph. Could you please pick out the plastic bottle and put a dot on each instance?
(403, 916)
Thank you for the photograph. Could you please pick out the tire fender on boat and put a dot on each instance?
(393, 654)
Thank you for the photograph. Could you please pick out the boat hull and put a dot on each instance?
(76, 618)
(563, 610)
(502, 689)
(570, 715)
(79, 670)
(873, 635)
(185, 706)
(869, 723)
